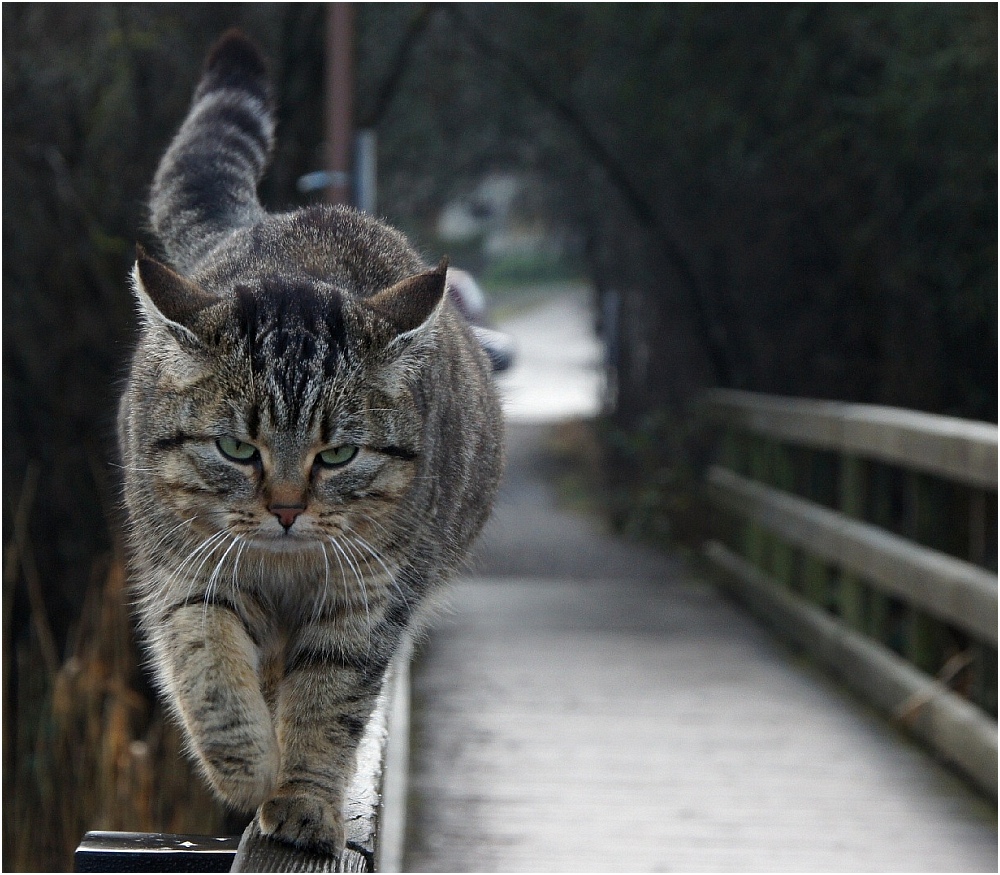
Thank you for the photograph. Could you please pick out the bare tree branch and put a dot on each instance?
(418, 24)
(643, 210)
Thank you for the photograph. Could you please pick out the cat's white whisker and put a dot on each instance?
(174, 528)
(236, 562)
(358, 576)
(389, 534)
(134, 468)
(322, 596)
(389, 573)
(213, 581)
(165, 598)
(341, 549)
(209, 594)
(343, 576)
(361, 584)
(201, 555)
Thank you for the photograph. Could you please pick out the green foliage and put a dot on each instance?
(517, 269)
(797, 199)
(652, 476)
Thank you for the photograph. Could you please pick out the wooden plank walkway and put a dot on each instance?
(615, 714)
(591, 706)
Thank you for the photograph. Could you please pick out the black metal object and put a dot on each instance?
(254, 852)
(154, 852)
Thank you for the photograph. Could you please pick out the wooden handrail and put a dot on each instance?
(957, 449)
(952, 589)
(851, 565)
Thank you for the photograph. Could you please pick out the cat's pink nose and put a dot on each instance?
(286, 513)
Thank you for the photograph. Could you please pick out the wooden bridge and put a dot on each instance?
(591, 705)
(594, 706)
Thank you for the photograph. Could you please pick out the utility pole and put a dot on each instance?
(339, 110)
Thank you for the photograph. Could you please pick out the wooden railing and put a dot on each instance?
(867, 535)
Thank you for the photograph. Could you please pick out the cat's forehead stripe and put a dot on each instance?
(295, 339)
(253, 422)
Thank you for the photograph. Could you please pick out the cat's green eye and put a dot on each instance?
(236, 451)
(337, 456)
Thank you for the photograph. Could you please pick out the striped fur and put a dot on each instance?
(311, 441)
(206, 184)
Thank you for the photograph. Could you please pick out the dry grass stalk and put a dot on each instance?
(93, 750)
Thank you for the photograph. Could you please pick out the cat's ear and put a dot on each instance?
(411, 305)
(168, 299)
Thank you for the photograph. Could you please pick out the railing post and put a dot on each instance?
(881, 511)
(782, 477)
(815, 576)
(756, 538)
(923, 644)
(977, 527)
(850, 598)
(731, 451)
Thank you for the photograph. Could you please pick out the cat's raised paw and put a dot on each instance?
(304, 821)
(244, 770)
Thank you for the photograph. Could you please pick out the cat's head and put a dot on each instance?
(281, 411)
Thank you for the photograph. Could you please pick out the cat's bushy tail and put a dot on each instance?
(206, 185)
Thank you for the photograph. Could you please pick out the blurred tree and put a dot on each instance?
(802, 197)
(797, 199)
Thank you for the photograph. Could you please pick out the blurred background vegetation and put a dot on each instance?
(797, 199)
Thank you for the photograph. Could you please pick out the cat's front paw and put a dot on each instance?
(243, 773)
(304, 820)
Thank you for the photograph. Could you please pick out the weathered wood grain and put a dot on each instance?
(957, 449)
(625, 725)
(951, 589)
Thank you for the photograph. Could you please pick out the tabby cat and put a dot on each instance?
(311, 440)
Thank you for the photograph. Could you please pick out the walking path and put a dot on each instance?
(589, 705)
